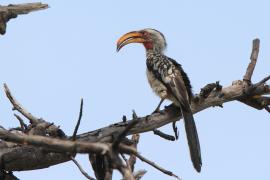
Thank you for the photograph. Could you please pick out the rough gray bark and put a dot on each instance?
(12, 11)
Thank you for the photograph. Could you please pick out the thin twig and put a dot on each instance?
(130, 150)
(80, 168)
(18, 107)
(134, 115)
(151, 163)
(22, 124)
(263, 81)
(78, 122)
(124, 118)
(163, 135)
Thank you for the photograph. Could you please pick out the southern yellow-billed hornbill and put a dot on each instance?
(168, 80)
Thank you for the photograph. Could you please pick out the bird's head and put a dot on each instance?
(150, 38)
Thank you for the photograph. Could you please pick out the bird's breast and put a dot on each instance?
(158, 87)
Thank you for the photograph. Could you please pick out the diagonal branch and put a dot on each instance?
(81, 169)
(253, 60)
(22, 124)
(18, 107)
(263, 81)
(151, 163)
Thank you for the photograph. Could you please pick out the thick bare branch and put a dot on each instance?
(149, 123)
(253, 60)
(7, 175)
(12, 11)
(23, 8)
(64, 146)
(53, 143)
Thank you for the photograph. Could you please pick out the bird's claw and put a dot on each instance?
(158, 111)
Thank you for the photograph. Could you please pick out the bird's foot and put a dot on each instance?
(158, 111)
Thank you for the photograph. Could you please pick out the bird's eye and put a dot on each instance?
(145, 33)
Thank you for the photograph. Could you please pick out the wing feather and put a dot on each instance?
(171, 74)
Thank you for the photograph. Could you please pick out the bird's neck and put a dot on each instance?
(150, 53)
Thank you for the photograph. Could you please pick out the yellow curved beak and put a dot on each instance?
(131, 37)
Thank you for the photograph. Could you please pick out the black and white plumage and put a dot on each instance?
(168, 80)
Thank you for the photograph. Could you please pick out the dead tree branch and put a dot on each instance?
(106, 143)
(156, 166)
(4, 175)
(18, 107)
(22, 124)
(253, 60)
(13, 10)
(132, 159)
(78, 122)
(163, 135)
(81, 169)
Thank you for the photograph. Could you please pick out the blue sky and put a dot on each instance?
(52, 58)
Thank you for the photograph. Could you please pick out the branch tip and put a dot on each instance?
(81, 169)
(163, 135)
(78, 122)
(253, 60)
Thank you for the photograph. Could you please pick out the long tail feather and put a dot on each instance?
(193, 139)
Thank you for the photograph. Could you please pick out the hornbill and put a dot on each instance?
(169, 81)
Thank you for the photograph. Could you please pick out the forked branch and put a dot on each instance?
(107, 142)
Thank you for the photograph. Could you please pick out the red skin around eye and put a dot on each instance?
(148, 45)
